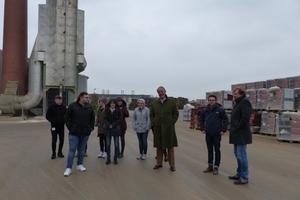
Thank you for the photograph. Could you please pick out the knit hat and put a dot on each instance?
(104, 100)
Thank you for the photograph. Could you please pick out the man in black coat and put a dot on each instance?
(240, 134)
(80, 121)
(216, 122)
(55, 115)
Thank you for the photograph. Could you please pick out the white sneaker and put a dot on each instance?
(104, 155)
(100, 154)
(68, 172)
(139, 157)
(80, 168)
(144, 157)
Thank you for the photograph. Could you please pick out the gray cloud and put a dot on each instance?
(190, 46)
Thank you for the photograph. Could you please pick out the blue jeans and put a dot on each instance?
(241, 156)
(108, 143)
(79, 144)
(143, 143)
(213, 143)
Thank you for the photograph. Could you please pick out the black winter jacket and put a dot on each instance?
(80, 120)
(240, 133)
(115, 121)
(55, 115)
(215, 119)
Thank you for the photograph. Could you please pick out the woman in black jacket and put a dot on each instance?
(112, 120)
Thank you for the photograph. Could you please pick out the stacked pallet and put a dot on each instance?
(294, 82)
(267, 123)
(251, 94)
(255, 122)
(282, 82)
(261, 99)
(297, 98)
(280, 98)
(260, 84)
(288, 126)
(271, 83)
(224, 97)
(187, 112)
(201, 102)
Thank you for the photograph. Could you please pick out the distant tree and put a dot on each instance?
(94, 102)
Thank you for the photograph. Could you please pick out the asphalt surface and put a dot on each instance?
(27, 172)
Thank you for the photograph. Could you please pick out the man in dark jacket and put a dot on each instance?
(216, 122)
(240, 134)
(80, 121)
(164, 114)
(55, 115)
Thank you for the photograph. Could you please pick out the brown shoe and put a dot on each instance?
(157, 166)
(235, 177)
(173, 169)
(208, 169)
(240, 182)
(216, 171)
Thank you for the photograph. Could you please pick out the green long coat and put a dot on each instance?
(163, 117)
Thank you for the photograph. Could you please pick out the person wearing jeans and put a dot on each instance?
(240, 134)
(141, 124)
(112, 120)
(80, 121)
(213, 123)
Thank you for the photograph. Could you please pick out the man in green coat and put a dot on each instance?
(164, 114)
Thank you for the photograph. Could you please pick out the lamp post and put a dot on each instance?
(94, 90)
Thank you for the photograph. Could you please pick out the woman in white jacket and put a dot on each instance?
(141, 124)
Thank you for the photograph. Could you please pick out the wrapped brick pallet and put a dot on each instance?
(280, 98)
(288, 126)
(224, 97)
(261, 98)
(267, 123)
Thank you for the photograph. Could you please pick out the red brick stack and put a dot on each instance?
(280, 99)
(251, 94)
(267, 123)
(289, 126)
(224, 97)
(262, 98)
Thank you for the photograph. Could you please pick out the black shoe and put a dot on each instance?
(53, 155)
(115, 162)
(107, 162)
(234, 177)
(121, 155)
(60, 154)
(240, 182)
(166, 159)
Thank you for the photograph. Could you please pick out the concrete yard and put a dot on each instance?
(27, 172)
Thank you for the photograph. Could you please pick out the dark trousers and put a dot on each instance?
(122, 137)
(102, 142)
(213, 144)
(61, 134)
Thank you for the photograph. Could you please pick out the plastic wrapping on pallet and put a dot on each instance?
(239, 85)
(267, 123)
(297, 98)
(294, 82)
(271, 83)
(288, 126)
(251, 94)
(187, 112)
(282, 82)
(280, 98)
(260, 84)
(261, 98)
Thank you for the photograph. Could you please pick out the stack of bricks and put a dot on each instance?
(267, 123)
(251, 94)
(201, 102)
(280, 99)
(294, 82)
(271, 83)
(262, 98)
(288, 126)
(240, 85)
(255, 122)
(260, 84)
(282, 82)
(297, 98)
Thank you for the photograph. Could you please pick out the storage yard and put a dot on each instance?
(27, 172)
(275, 103)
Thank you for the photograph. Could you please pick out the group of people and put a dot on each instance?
(79, 118)
(213, 122)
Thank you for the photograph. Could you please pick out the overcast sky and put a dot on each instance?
(188, 46)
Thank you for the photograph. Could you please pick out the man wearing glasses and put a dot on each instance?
(80, 120)
(213, 123)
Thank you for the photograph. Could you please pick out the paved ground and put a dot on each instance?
(27, 172)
